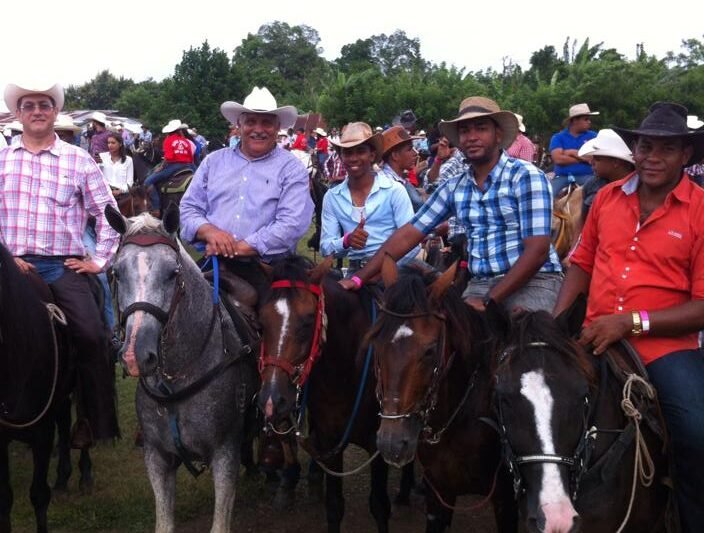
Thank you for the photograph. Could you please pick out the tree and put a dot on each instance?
(396, 52)
(102, 92)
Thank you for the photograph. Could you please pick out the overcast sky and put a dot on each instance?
(71, 41)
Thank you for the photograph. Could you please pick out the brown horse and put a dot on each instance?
(567, 221)
(433, 384)
(581, 435)
(134, 202)
(311, 357)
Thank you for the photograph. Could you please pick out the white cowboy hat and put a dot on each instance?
(521, 126)
(321, 132)
(98, 116)
(580, 110)
(607, 143)
(282, 133)
(693, 122)
(15, 125)
(134, 127)
(476, 107)
(260, 101)
(65, 122)
(172, 126)
(13, 93)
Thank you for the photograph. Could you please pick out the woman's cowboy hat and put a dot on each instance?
(667, 119)
(607, 143)
(172, 126)
(476, 107)
(64, 123)
(260, 101)
(13, 93)
(395, 136)
(356, 133)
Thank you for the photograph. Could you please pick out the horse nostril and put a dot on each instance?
(576, 524)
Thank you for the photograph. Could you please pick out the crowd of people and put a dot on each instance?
(640, 257)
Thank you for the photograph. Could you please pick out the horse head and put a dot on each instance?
(293, 323)
(147, 272)
(415, 340)
(542, 396)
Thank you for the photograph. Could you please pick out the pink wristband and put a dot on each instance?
(645, 321)
(357, 281)
(346, 240)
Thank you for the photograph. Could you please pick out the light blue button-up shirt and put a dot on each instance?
(265, 201)
(386, 209)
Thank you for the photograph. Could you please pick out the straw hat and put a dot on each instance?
(607, 143)
(395, 136)
(580, 110)
(476, 107)
(260, 100)
(65, 122)
(356, 133)
(14, 92)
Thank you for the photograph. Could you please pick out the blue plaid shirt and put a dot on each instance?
(516, 203)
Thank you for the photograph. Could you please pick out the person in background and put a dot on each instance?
(300, 143)
(146, 136)
(522, 147)
(117, 166)
(321, 148)
(99, 138)
(233, 136)
(399, 158)
(565, 145)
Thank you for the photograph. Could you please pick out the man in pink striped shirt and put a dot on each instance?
(48, 190)
(522, 147)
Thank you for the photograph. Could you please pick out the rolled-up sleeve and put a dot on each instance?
(436, 209)
(294, 213)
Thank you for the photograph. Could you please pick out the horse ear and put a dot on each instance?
(572, 318)
(316, 275)
(497, 319)
(171, 219)
(267, 269)
(116, 220)
(389, 271)
(439, 287)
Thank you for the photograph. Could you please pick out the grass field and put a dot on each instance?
(122, 499)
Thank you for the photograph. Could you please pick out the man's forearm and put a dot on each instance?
(399, 244)
(679, 320)
(576, 282)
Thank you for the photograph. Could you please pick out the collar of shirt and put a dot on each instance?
(54, 149)
(381, 181)
(682, 191)
(495, 173)
(239, 153)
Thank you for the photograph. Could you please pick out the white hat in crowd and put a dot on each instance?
(14, 92)
(607, 143)
(260, 100)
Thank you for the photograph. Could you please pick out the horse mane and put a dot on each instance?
(539, 326)
(145, 223)
(293, 267)
(409, 296)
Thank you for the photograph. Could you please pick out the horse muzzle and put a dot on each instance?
(397, 440)
(276, 404)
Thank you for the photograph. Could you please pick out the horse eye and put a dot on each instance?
(429, 353)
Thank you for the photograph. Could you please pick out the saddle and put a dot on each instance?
(177, 183)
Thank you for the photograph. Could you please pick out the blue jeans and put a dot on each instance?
(560, 182)
(679, 380)
(154, 180)
(89, 241)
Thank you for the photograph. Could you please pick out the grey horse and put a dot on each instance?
(195, 380)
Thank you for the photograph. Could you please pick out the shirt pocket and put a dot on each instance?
(62, 193)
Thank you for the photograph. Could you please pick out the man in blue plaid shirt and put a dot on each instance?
(506, 206)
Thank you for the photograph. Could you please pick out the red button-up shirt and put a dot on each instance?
(652, 266)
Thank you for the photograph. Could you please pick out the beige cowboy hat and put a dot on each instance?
(65, 123)
(607, 143)
(321, 132)
(476, 107)
(14, 92)
(356, 133)
(580, 110)
(395, 136)
(172, 126)
(521, 126)
(260, 100)
(98, 116)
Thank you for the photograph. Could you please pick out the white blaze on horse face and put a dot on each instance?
(130, 355)
(283, 309)
(402, 332)
(554, 501)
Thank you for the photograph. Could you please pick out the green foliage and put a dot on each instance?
(376, 77)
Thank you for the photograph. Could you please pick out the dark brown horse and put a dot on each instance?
(433, 369)
(134, 202)
(567, 438)
(312, 333)
(33, 368)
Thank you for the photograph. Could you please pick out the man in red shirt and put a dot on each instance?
(178, 154)
(641, 261)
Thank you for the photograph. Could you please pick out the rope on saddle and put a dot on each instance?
(643, 467)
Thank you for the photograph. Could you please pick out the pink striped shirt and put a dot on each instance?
(522, 148)
(46, 198)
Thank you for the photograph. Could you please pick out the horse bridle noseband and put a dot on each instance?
(577, 463)
(422, 410)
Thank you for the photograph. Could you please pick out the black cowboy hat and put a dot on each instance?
(667, 119)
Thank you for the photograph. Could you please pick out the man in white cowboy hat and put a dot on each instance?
(99, 138)
(251, 201)
(506, 206)
(50, 189)
(565, 145)
(522, 147)
(179, 153)
(321, 148)
(611, 160)
(363, 212)
(641, 261)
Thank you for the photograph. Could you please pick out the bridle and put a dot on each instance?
(577, 463)
(424, 408)
(299, 373)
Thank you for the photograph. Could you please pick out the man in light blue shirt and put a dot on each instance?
(361, 213)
